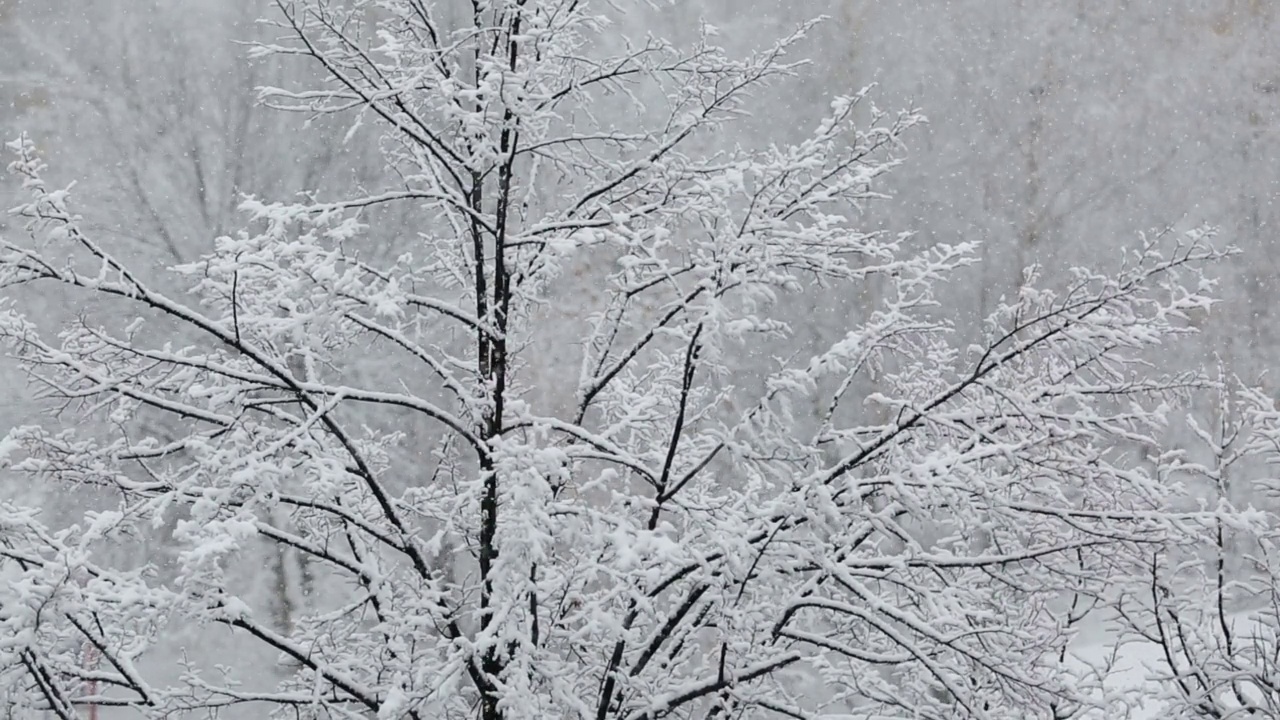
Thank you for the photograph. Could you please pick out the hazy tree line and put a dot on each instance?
(1054, 130)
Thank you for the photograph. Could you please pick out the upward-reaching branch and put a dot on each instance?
(704, 521)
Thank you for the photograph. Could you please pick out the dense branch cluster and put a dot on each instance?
(645, 534)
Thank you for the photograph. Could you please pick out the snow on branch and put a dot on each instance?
(562, 458)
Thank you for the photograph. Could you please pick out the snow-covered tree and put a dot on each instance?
(605, 521)
(1210, 611)
(155, 102)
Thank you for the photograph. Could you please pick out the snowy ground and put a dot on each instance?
(1133, 663)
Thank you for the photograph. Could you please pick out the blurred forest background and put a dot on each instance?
(1058, 132)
